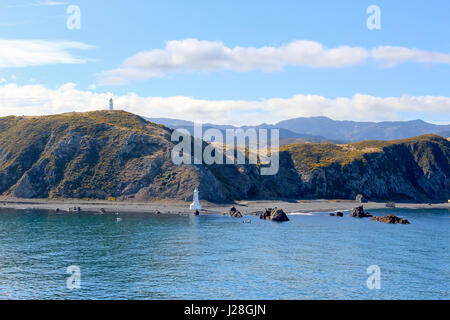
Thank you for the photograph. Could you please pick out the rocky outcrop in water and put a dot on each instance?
(359, 212)
(234, 213)
(390, 219)
(275, 214)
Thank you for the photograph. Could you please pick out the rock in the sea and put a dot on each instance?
(197, 213)
(102, 211)
(332, 215)
(391, 219)
(265, 214)
(360, 198)
(339, 214)
(274, 214)
(358, 212)
(390, 205)
(234, 213)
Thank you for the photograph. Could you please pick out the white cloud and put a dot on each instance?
(192, 55)
(25, 53)
(38, 100)
(391, 56)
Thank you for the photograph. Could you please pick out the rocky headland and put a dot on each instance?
(118, 156)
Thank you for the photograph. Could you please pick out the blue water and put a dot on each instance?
(215, 257)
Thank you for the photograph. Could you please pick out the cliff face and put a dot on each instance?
(411, 169)
(117, 154)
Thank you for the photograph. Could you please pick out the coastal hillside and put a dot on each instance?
(102, 155)
(118, 155)
(415, 169)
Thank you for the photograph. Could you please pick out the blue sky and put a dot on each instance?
(215, 88)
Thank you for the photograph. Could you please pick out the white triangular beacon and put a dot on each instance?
(196, 204)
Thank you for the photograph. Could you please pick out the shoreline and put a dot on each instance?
(248, 207)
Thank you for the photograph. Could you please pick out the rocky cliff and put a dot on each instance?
(115, 154)
(415, 169)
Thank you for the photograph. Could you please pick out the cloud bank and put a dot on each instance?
(192, 55)
(26, 53)
(39, 100)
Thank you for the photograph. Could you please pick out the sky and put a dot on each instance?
(228, 62)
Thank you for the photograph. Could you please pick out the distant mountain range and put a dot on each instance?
(286, 136)
(323, 129)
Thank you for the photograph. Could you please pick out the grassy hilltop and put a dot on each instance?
(118, 155)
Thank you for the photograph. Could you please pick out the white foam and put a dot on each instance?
(302, 214)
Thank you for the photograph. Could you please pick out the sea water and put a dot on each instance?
(216, 257)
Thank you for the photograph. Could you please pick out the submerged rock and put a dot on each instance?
(391, 219)
(274, 214)
(358, 212)
(332, 215)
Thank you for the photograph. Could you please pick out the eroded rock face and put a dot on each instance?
(390, 219)
(413, 169)
(274, 214)
(359, 212)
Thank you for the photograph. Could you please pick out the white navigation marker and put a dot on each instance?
(111, 104)
(196, 204)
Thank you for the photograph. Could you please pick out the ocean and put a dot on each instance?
(314, 256)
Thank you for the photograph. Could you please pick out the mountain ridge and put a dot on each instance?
(324, 129)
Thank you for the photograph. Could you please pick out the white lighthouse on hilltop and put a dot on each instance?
(111, 104)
